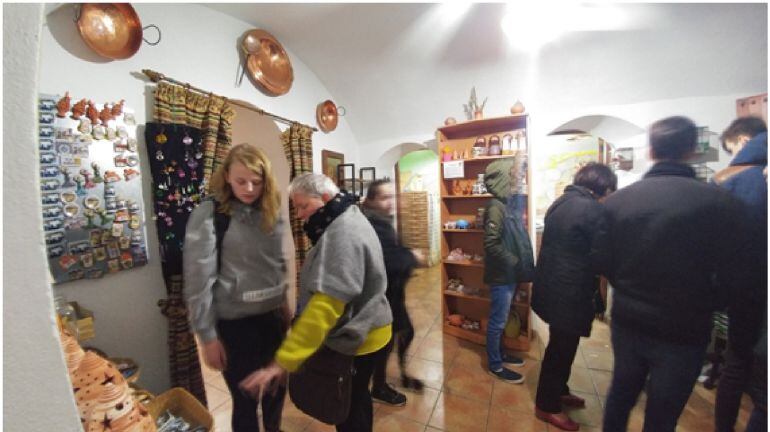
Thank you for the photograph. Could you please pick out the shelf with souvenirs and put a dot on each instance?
(467, 149)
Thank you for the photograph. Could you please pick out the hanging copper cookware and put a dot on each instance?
(113, 30)
(267, 62)
(327, 116)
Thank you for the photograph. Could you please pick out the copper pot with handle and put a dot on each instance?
(112, 30)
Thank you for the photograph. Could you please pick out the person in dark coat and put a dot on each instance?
(674, 249)
(746, 137)
(379, 208)
(565, 283)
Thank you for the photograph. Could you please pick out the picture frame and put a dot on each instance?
(329, 162)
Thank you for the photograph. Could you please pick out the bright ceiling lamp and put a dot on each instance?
(453, 11)
(530, 25)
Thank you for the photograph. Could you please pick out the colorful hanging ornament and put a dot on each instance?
(161, 138)
(187, 140)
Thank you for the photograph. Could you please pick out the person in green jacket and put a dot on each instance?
(499, 264)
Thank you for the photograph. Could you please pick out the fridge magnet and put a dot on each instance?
(87, 260)
(96, 237)
(100, 254)
(113, 266)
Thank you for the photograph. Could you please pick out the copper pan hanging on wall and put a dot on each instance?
(327, 115)
(267, 62)
(112, 30)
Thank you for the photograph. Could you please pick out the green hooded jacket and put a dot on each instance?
(499, 261)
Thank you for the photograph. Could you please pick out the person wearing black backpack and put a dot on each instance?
(564, 287)
(235, 279)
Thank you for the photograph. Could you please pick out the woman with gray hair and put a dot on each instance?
(344, 312)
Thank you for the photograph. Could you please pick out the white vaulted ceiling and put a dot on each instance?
(400, 69)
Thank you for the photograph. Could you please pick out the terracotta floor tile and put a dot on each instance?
(516, 397)
(602, 380)
(418, 408)
(591, 415)
(221, 416)
(505, 420)
(580, 380)
(601, 360)
(216, 397)
(391, 421)
(458, 414)
(438, 352)
(430, 372)
(469, 381)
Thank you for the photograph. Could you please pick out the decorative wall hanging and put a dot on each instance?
(112, 30)
(327, 115)
(90, 191)
(267, 62)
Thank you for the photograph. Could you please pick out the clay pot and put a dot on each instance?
(450, 121)
(455, 320)
(517, 108)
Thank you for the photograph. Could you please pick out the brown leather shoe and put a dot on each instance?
(560, 420)
(573, 401)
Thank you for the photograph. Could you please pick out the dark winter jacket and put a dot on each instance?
(744, 180)
(565, 282)
(500, 259)
(674, 251)
(399, 263)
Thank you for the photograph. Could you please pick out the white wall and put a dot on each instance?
(199, 46)
(37, 393)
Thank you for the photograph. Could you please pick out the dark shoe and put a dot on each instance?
(389, 396)
(556, 420)
(573, 401)
(513, 361)
(411, 383)
(507, 375)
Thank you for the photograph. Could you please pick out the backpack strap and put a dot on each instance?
(221, 223)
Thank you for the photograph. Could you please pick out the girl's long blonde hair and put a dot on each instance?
(254, 159)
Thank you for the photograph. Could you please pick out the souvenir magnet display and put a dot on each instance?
(80, 188)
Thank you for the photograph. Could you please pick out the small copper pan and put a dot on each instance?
(327, 116)
(113, 30)
(267, 62)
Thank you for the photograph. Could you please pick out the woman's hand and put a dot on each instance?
(264, 380)
(214, 355)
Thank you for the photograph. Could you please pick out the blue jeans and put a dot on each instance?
(672, 370)
(502, 295)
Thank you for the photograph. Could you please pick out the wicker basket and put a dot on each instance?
(181, 403)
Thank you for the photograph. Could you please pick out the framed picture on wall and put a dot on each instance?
(329, 162)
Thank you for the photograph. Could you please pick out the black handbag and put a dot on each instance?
(322, 387)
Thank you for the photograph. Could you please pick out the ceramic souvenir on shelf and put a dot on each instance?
(117, 109)
(517, 108)
(494, 146)
(63, 105)
(92, 113)
(480, 147)
(105, 114)
(450, 121)
(507, 145)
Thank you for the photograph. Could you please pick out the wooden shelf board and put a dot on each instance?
(519, 344)
(470, 230)
(486, 126)
(465, 263)
(466, 296)
(481, 196)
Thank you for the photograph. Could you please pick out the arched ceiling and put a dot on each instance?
(400, 69)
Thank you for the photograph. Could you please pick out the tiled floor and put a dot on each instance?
(461, 396)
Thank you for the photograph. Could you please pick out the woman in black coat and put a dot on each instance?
(564, 286)
(379, 208)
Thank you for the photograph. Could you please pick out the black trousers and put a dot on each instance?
(555, 370)
(251, 343)
(733, 382)
(361, 412)
(402, 338)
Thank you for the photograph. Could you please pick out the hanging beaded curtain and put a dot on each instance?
(207, 118)
(298, 147)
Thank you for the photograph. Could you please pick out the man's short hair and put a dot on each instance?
(743, 126)
(673, 138)
(596, 177)
(374, 188)
(313, 184)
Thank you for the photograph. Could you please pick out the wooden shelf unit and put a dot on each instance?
(461, 137)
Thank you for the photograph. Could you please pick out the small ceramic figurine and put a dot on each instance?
(517, 108)
(63, 105)
(105, 115)
(79, 109)
(92, 113)
(97, 176)
(117, 109)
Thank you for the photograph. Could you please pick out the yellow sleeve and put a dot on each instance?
(309, 332)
